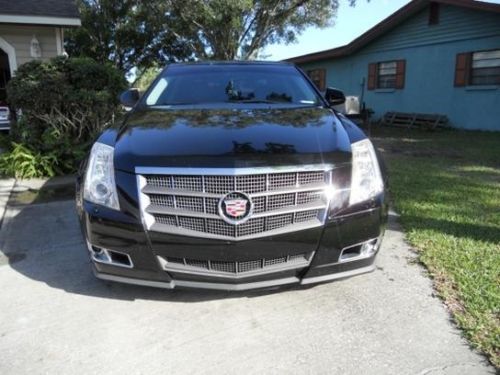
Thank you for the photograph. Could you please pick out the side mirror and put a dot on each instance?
(129, 98)
(334, 96)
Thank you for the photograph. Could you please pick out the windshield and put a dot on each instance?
(210, 84)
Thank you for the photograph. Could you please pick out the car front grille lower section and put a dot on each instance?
(188, 201)
(235, 269)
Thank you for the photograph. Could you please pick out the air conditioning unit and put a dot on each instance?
(352, 106)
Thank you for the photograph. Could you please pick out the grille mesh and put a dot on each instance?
(193, 223)
(250, 184)
(166, 219)
(252, 226)
(190, 183)
(280, 200)
(192, 202)
(228, 267)
(189, 203)
(162, 200)
(282, 180)
(302, 216)
(220, 227)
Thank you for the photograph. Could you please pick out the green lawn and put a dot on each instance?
(446, 187)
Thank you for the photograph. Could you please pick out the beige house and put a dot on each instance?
(32, 29)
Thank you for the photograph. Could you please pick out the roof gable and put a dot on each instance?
(388, 24)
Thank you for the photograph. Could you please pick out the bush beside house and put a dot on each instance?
(64, 103)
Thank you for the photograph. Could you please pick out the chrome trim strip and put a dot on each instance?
(335, 276)
(162, 210)
(237, 287)
(148, 189)
(196, 284)
(130, 280)
(232, 171)
(232, 287)
(147, 219)
(179, 231)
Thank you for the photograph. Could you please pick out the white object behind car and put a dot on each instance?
(4, 117)
(350, 107)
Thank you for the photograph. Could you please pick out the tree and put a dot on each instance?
(129, 33)
(134, 33)
(238, 29)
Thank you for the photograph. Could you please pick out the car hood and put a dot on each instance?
(226, 138)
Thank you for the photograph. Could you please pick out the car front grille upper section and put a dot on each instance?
(181, 201)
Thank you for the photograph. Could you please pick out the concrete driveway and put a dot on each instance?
(56, 318)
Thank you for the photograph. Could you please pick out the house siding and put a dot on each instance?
(430, 53)
(20, 37)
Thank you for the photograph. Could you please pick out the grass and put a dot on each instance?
(446, 187)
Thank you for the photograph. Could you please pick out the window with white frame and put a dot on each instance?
(485, 68)
(386, 75)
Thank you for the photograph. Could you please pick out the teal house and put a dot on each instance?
(432, 57)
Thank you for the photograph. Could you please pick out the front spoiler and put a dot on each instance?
(233, 287)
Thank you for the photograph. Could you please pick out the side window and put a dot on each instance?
(485, 68)
(318, 76)
(478, 68)
(387, 75)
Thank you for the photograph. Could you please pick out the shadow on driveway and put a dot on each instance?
(43, 242)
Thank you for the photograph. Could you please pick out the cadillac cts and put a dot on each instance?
(232, 175)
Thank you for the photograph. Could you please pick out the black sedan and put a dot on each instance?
(233, 176)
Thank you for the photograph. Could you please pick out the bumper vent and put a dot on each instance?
(188, 204)
(244, 268)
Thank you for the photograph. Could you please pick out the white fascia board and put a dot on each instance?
(39, 20)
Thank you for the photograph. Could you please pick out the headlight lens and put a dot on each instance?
(366, 180)
(99, 185)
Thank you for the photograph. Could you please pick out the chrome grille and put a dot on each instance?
(192, 223)
(285, 200)
(189, 203)
(232, 268)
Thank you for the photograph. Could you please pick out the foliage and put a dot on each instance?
(131, 33)
(22, 162)
(227, 29)
(64, 103)
(127, 33)
(446, 187)
(147, 77)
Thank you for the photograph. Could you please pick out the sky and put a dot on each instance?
(350, 23)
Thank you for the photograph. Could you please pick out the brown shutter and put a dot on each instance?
(462, 69)
(322, 79)
(400, 74)
(372, 76)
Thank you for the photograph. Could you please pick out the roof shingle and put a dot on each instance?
(40, 8)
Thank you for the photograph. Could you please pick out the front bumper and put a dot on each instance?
(148, 251)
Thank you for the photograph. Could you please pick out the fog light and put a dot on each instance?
(369, 248)
(112, 257)
(361, 251)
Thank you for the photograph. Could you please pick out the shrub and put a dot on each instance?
(21, 162)
(65, 103)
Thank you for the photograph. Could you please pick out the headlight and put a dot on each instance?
(99, 184)
(366, 180)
